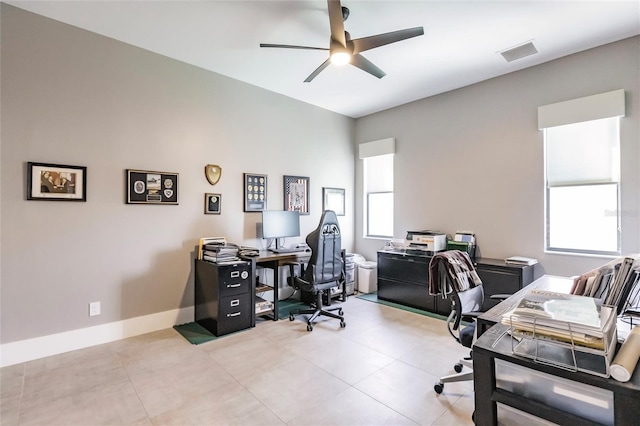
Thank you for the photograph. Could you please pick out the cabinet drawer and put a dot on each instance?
(496, 281)
(416, 296)
(234, 279)
(234, 314)
(414, 269)
(580, 399)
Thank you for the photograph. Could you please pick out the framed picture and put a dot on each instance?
(296, 194)
(333, 199)
(56, 182)
(212, 203)
(147, 187)
(255, 192)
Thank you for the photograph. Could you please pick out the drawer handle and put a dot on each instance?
(235, 274)
(235, 302)
(235, 314)
(234, 285)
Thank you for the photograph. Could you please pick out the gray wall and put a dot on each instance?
(469, 159)
(72, 97)
(472, 159)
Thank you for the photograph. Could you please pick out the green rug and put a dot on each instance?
(197, 334)
(373, 297)
(194, 333)
(286, 306)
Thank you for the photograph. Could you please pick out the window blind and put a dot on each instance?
(595, 107)
(583, 153)
(375, 148)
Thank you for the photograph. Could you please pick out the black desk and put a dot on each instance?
(562, 392)
(273, 261)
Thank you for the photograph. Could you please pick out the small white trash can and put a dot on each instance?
(367, 277)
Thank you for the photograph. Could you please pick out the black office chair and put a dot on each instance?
(456, 276)
(324, 270)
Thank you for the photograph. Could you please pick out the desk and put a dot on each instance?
(273, 261)
(546, 282)
(522, 385)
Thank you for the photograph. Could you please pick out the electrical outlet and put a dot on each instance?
(94, 309)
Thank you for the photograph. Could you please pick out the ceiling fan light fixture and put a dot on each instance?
(340, 58)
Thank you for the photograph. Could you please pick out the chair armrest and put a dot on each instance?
(292, 271)
(499, 296)
(472, 314)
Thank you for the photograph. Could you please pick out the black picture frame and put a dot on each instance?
(212, 203)
(255, 192)
(296, 194)
(150, 187)
(56, 182)
(333, 199)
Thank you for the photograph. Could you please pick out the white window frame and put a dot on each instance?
(610, 105)
(378, 184)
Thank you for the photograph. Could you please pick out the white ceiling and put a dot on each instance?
(460, 46)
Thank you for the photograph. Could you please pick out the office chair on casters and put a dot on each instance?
(453, 273)
(465, 306)
(324, 271)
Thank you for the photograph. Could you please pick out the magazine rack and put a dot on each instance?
(566, 355)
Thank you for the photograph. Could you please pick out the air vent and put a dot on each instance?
(518, 52)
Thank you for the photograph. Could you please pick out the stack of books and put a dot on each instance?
(612, 283)
(220, 253)
(209, 240)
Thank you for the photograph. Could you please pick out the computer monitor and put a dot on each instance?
(280, 224)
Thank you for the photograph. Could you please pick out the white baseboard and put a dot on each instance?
(40, 347)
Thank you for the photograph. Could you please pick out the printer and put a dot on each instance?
(432, 241)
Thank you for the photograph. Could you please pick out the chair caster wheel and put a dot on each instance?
(309, 327)
(343, 324)
(457, 368)
(291, 317)
(438, 387)
(340, 312)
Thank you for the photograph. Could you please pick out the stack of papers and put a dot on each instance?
(579, 320)
(220, 253)
(520, 260)
(209, 240)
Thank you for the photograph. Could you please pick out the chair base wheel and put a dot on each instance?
(458, 368)
(291, 317)
(309, 327)
(438, 387)
(343, 324)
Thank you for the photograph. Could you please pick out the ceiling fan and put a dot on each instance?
(343, 50)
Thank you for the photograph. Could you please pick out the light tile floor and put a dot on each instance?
(379, 370)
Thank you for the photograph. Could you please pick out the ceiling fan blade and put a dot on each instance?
(318, 70)
(289, 46)
(336, 22)
(364, 64)
(366, 43)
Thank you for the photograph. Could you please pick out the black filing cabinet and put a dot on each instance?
(404, 278)
(499, 277)
(223, 296)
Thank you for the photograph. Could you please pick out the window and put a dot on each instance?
(378, 187)
(582, 187)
